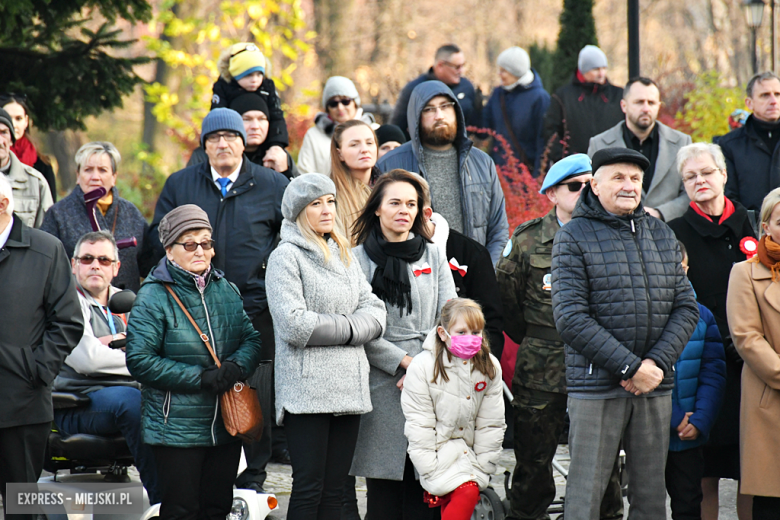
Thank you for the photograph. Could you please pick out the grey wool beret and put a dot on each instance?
(181, 219)
(302, 190)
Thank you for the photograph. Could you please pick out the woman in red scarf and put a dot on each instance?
(754, 319)
(717, 232)
(23, 148)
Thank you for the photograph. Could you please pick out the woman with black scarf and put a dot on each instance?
(412, 277)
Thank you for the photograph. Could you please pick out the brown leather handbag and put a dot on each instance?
(240, 406)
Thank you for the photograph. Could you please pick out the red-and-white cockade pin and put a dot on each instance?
(455, 266)
(421, 269)
(480, 386)
(749, 246)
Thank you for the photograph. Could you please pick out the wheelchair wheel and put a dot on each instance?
(489, 506)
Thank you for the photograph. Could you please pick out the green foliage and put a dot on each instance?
(707, 107)
(67, 70)
(195, 39)
(543, 61)
(578, 29)
(142, 179)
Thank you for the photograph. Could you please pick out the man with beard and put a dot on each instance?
(464, 184)
(663, 192)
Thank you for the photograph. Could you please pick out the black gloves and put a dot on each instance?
(208, 379)
(229, 374)
(220, 380)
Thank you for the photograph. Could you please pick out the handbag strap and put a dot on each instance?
(508, 123)
(203, 337)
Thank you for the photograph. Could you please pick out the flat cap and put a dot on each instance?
(302, 190)
(181, 219)
(570, 166)
(619, 155)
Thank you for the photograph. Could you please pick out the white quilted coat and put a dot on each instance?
(455, 431)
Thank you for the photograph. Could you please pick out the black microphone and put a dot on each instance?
(121, 302)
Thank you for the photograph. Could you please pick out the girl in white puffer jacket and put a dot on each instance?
(453, 403)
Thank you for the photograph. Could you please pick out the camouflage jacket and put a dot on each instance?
(523, 274)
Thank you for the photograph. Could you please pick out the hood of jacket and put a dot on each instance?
(535, 83)
(589, 206)
(430, 341)
(421, 95)
(326, 125)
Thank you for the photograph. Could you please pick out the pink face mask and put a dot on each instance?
(466, 346)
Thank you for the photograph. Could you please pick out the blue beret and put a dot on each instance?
(570, 166)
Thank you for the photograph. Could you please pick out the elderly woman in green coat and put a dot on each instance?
(197, 459)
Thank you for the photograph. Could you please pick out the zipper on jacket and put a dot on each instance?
(214, 346)
(590, 369)
(647, 286)
(166, 406)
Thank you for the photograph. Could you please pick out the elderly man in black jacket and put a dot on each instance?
(40, 323)
(625, 311)
(243, 201)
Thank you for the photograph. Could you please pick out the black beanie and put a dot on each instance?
(5, 119)
(387, 133)
(250, 101)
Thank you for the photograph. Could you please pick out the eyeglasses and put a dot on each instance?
(192, 246)
(229, 137)
(690, 177)
(574, 186)
(443, 107)
(333, 103)
(453, 66)
(102, 260)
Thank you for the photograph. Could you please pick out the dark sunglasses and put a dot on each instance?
(333, 103)
(192, 246)
(575, 186)
(102, 260)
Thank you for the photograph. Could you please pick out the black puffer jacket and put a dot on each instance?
(619, 295)
(577, 112)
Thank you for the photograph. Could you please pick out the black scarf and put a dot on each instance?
(391, 278)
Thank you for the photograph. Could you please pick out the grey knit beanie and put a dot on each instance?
(181, 219)
(221, 119)
(515, 61)
(339, 86)
(5, 119)
(302, 190)
(591, 57)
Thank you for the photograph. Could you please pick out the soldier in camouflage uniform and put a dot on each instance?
(539, 382)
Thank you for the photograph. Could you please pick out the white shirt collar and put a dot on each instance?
(233, 176)
(6, 233)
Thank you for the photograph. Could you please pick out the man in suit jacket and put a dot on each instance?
(662, 189)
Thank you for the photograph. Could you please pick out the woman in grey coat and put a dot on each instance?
(412, 277)
(323, 312)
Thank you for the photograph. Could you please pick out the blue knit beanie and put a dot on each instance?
(222, 119)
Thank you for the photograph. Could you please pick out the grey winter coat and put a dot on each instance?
(484, 207)
(667, 193)
(301, 288)
(32, 196)
(619, 296)
(381, 446)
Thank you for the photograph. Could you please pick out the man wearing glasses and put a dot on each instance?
(663, 193)
(40, 323)
(94, 368)
(448, 68)
(465, 189)
(539, 382)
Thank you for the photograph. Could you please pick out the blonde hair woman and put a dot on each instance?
(323, 311)
(353, 154)
(753, 306)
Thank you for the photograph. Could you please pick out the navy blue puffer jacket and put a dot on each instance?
(619, 295)
(699, 381)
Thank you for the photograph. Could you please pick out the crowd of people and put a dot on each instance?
(378, 274)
